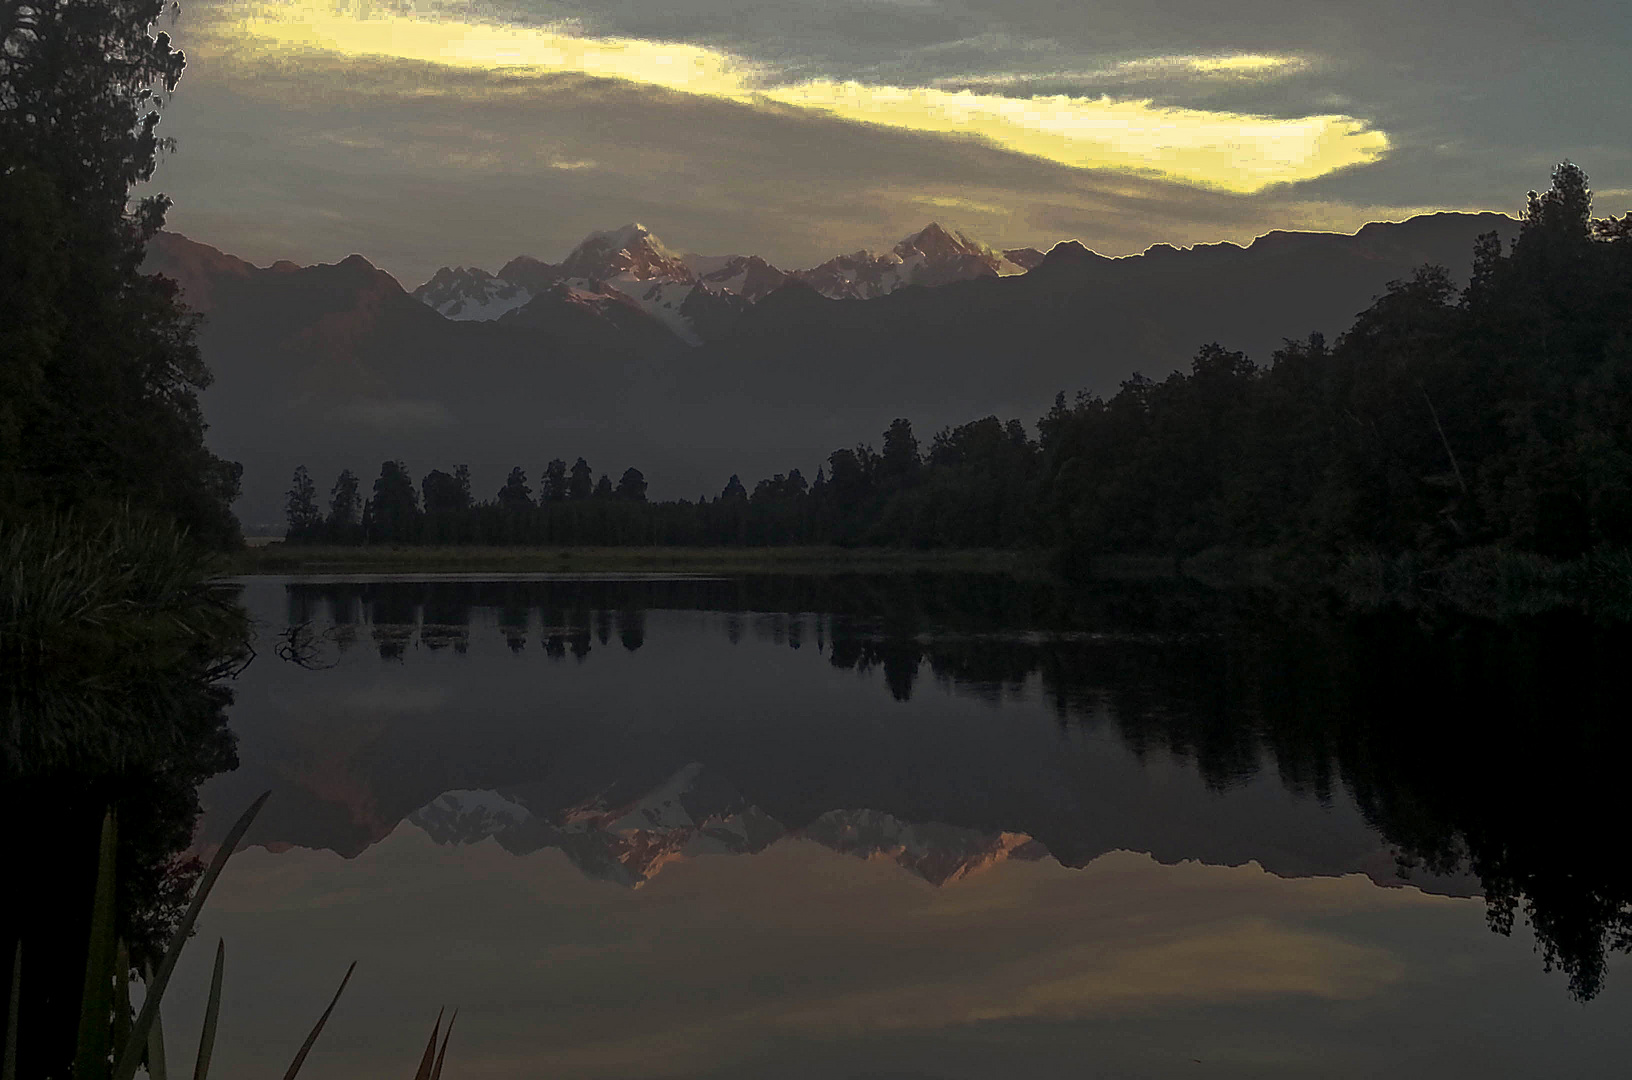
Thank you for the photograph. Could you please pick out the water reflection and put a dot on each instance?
(1462, 758)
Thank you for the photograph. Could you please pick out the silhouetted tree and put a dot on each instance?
(515, 495)
(581, 481)
(553, 488)
(300, 505)
(445, 494)
(345, 503)
(734, 489)
(395, 504)
(632, 485)
(900, 463)
(603, 487)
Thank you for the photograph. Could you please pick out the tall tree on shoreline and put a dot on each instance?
(300, 505)
(345, 501)
(581, 480)
(99, 363)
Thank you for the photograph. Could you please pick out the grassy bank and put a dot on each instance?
(377, 558)
(85, 601)
(1485, 582)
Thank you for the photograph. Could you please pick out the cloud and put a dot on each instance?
(1230, 151)
(744, 965)
(1248, 67)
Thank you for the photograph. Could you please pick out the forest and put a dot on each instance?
(1444, 420)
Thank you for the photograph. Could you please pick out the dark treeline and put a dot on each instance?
(1431, 727)
(1500, 415)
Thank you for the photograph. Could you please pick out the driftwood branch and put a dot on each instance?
(1433, 412)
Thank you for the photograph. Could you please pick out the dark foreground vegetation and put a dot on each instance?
(113, 639)
(1497, 419)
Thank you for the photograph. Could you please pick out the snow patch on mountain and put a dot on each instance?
(930, 257)
(695, 812)
(469, 294)
(467, 817)
(633, 262)
(940, 854)
(631, 252)
(661, 299)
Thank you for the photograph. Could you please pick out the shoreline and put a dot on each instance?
(281, 559)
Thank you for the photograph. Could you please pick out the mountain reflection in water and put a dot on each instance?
(945, 728)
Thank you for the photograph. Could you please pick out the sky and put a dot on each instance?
(423, 134)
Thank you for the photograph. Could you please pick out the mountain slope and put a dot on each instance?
(336, 366)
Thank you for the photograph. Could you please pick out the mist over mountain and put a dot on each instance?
(694, 368)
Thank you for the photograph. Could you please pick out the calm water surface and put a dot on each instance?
(910, 828)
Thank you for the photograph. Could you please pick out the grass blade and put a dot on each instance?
(212, 1013)
(157, 1069)
(8, 1068)
(441, 1055)
(306, 1047)
(132, 1055)
(96, 1002)
(425, 1062)
(121, 995)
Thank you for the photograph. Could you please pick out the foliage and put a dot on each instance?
(300, 505)
(90, 604)
(99, 368)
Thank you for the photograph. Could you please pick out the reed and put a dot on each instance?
(111, 1045)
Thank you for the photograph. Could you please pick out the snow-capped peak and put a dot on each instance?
(931, 256)
(470, 293)
(696, 296)
(747, 276)
(695, 812)
(933, 241)
(630, 252)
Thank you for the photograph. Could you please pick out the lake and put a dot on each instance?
(913, 826)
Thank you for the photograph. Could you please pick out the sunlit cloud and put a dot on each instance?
(1231, 151)
(1227, 151)
(303, 25)
(1235, 67)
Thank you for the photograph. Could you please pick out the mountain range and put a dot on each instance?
(693, 368)
(696, 812)
(695, 296)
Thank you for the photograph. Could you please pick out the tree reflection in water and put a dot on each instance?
(1469, 746)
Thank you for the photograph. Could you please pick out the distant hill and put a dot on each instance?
(338, 365)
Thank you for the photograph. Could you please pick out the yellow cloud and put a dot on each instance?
(1238, 65)
(1232, 151)
(1235, 67)
(1228, 151)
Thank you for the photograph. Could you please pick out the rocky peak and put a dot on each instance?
(935, 242)
(631, 252)
(1027, 258)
